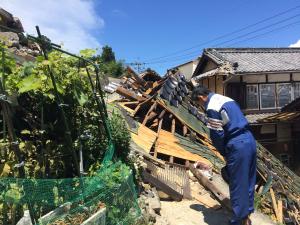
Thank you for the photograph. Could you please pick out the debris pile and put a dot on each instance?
(170, 135)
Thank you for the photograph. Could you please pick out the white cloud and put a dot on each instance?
(71, 22)
(295, 45)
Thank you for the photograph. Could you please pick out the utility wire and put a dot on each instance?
(227, 34)
(244, 40)
(268, 32)
(259, 29)
(233, 39)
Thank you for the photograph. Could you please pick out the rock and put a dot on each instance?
(34, 46)
(25, 220)
(155, 201)
(163, 195)
(146, 186)
(161, 221)
(151, 215)
(10, 39)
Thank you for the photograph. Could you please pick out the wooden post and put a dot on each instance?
(205, 182)
(184, 130)
(159, 126)
(173, 126)
(187, 163)
(158, 130)
(171, 160)
(162, 114)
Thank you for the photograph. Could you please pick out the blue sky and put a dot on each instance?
(140, 30)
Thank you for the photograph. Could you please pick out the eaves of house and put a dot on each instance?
(252, 60)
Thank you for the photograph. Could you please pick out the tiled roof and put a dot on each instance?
(292, 106)
(246, 60)
(257, 117)
(282, 117)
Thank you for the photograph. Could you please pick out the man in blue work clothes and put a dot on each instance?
(229, 132)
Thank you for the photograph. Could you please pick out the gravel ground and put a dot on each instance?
(191, 212)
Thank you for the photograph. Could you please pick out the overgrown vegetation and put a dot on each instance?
(40, 130)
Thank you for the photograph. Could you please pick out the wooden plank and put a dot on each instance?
(129, 110)
(205, 182)
(280, 215)
(274, 203)
(169, 145)
(206, 200)
(145, 138)
(162, 186)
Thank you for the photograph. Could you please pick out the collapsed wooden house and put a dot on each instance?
(169, 133)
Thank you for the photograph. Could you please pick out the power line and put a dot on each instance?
(227, 34)
(138, 66)
(271, 31)
(247, 39)
(259, 29)
(176, 58)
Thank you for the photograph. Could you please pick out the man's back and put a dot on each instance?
(227, 110)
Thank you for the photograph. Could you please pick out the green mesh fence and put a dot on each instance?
(111, 186)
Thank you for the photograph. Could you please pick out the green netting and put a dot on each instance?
(112, 185)
(69, 200)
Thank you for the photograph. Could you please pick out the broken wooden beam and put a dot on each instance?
(162, 186)
(205, 182)
(152, 108)
(162, 114)
(129, 94)
(138, 79)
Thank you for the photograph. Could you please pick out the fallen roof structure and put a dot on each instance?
(169, 132)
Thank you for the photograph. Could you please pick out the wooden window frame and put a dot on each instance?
(258, 94)
(277, 97)
(261, 108)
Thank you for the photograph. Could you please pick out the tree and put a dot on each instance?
(107, 54)
(113, 69)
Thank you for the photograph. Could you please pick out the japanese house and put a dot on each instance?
(262, 81)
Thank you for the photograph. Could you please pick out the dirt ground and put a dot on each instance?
(191, 212)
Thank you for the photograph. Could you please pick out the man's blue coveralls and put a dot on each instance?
(230, 135)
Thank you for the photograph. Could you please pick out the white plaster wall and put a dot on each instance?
(296, 76)
(279, 77)
(254, 78)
